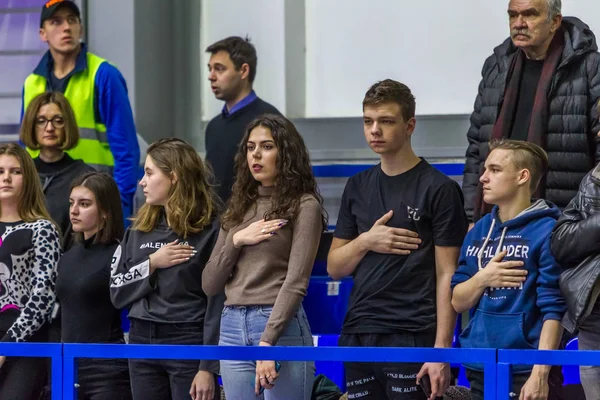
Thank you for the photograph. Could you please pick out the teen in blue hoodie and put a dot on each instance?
(507, 275)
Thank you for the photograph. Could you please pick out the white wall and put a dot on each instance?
(436, 48)
(433, 47)
(111, 35)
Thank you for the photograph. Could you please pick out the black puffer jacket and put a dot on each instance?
(576, 243)
(571, 143)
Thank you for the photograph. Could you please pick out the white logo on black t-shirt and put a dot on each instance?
(412, 213)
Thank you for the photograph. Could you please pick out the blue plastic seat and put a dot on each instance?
(326, 303)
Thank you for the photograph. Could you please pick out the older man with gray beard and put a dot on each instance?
(541, 85)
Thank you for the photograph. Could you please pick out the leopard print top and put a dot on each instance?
(29, 254)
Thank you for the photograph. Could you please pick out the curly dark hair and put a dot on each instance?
(294, 179)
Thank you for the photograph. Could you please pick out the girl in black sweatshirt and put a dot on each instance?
(157, 272)
(29, 253)
(82, 286)
(48, 130)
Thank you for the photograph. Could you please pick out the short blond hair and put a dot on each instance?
(525, 155)
(28, 126)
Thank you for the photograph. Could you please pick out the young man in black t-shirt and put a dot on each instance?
(399, 231)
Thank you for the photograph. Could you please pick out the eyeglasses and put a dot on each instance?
(57, 122)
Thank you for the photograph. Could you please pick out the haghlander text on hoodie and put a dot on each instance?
(169, 295)
(512, 318)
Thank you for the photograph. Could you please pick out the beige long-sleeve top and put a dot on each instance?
(273, 272)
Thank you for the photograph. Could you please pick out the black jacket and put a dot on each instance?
(576, 243)
(571, 144)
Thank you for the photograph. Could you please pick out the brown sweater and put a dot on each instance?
(273, 272)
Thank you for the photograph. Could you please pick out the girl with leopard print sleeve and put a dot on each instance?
(29, 253)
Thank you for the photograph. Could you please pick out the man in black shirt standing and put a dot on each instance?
(399, 231)
(232, 69)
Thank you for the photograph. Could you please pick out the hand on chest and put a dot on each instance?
(517, 248)
(412, 217)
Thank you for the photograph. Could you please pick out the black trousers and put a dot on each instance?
(380, 381)
(164, 379)
(103, 379)
(24, 378)
(555, 381)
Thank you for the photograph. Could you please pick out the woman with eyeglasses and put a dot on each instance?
(49, 130)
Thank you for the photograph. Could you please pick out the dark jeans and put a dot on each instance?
(380, 381)
(589, 339)
(555, 381)
(103, 379)
(164, 379)
(24, 378)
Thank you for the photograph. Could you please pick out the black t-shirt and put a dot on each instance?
(394, 293)
(529, 82)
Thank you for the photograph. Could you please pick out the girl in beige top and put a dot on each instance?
(263, 260)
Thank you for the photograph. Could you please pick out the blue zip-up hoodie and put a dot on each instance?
(112, 108)
(512, 318)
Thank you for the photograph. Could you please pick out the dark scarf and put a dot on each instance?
(539, 114)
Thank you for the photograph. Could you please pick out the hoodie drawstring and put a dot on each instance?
(487, 241)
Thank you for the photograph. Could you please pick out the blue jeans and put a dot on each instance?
(243, 326)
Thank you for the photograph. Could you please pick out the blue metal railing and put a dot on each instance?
(379, 354)
(497, 363)
(508, 358)
(346, 170)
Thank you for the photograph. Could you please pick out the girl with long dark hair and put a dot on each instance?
(82, 286)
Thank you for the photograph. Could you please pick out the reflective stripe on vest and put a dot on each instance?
(92, 147)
